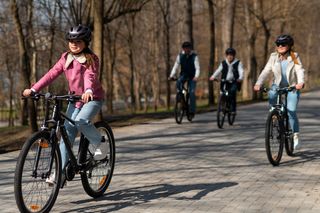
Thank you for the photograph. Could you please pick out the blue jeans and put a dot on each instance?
(292, 103)
(82, 118)
(192, 87)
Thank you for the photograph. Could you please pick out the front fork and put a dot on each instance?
(53, 142)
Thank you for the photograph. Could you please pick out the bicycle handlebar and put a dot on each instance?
(48, 96)
(172, 79)
(283, 90)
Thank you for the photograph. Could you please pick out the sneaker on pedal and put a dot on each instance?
(296, 141)
(51, 180)
(101, 150)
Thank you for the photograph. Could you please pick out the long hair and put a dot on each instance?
(88, 53)
(293, 56)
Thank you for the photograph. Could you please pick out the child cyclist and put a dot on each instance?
(80, 67)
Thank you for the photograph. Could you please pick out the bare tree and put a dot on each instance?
(189, 22)
(11, 84)
(251, 35)
(212, 52)
(228, 22)
(165, 6)
(25, 67)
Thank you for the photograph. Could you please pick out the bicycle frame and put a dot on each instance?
(281, 107)
(55, 124)
(186, 96)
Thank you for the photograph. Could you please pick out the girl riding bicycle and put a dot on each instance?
(287, 69)
(80, 66)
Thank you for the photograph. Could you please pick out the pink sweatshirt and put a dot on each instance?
(79, 77)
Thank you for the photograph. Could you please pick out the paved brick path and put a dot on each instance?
(163, 167)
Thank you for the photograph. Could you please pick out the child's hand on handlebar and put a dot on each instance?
(27, 92)
(212, 78)
(86, 97)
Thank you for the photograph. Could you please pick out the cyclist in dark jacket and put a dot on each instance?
(190, 71)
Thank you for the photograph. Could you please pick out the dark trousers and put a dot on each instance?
(232, 88)
(192, 87)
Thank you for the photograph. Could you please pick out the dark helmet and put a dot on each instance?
(79, 32)
(187, 44)
(285, 39)
(230, 51)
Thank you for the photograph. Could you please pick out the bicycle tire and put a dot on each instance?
(221, 112)
(189, 116)
(96, 180)
(32, 194)
(289, 147)
(231, 118)
(179, 110)
(274, 138)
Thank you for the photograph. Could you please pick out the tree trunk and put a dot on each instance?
(25, 67)
(133, 76)
(11, 83)
(167, 30)
(97, 45)
(212, 52)
(189, 22)
(132, 81)
(251, 74)
(228, 23)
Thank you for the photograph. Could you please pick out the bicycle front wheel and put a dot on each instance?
(32, 193)
(96, 180)
(274, 138)
(179, 108)
(221, 112)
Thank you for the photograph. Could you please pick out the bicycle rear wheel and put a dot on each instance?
(274, 138)
(32, 193)
(97, 178)
(288, 138)
(231, 118)
(190, 116)
(221, 112)
(179, 108)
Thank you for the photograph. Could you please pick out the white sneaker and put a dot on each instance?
(51, 180)
(296, 141)
(101, 150)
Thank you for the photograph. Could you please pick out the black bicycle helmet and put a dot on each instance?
(285, 40)
(187, 44)
(230, 51)
(79, 32)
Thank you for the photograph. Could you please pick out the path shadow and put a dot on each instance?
(303, 157)
(138, 195)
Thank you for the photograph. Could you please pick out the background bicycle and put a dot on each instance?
(182, 104)
(278, 131)
(224, 106)
(40, 157)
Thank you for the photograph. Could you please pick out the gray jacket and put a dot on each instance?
(295, 72)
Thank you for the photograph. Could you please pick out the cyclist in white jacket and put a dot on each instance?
(287, 70)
